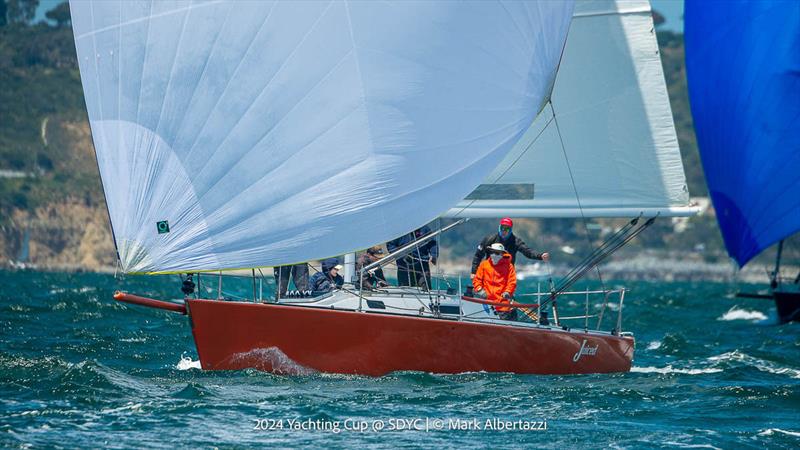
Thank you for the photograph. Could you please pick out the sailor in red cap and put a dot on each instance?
(511, 243)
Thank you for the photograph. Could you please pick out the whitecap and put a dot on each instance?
(684, 445)
(760, 364)
(134, 407)
(670, 369)
(187, 363)
(736, 313)
(655, 345)
(771, 431)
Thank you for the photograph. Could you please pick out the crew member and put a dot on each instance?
(512, 243)
(375, 278)
(327, 280)
(496, 280)
(414, 269)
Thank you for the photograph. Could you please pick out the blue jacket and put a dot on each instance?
(428, 250)
(322, 282)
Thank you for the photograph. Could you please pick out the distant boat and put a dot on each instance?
(242, 135)
(743, 69)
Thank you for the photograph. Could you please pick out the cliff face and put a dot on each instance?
(68, 230)
(63, 235)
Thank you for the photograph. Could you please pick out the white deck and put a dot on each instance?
(414, 302)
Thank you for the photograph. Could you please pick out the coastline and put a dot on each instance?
(642, 267)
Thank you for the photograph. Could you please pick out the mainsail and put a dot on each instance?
(606, 145)
(743, 68)
(244, 134)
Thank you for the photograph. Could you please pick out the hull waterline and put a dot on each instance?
(297, 339)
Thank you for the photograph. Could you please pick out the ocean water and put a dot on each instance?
(80, 370)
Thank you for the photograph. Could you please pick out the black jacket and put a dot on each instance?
(322, 282)
(512, 245)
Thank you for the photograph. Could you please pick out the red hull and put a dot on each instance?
(279, 338)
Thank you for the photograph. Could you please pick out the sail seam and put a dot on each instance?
(371, 147)
(258, 96)
(146, 18)
(235, 72)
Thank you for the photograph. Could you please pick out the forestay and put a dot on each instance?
(611, 150)
(243, 134)
(743, 69)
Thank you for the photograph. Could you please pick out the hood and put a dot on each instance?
(329, 264)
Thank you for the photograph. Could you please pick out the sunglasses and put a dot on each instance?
(505, 228)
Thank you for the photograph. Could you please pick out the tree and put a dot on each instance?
(658, 18)
(60, 14)
(21, 11)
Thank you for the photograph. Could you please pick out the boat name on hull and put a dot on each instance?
(584, 350)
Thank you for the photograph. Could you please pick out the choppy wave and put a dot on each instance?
(71, 378)
(750, 361)
(771, 431)
(685, 445)
(720, 363)
(670, 369)
(655, 345)
(736, 313)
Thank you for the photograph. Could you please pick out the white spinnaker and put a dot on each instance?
(266, 133)
(613, 113)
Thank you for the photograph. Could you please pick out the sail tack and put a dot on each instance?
(743, 69)
(255, 133)
(606, 147)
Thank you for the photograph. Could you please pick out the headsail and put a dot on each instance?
(743, 68)
(242, 134)
(611, 150)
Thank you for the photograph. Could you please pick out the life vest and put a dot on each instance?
(496, 279)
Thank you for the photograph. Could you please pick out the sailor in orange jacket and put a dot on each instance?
(496, 280)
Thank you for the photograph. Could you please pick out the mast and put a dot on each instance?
(774, 282)
(349, 267)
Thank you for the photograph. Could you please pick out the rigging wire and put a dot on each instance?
(575, 188)
(567, 282)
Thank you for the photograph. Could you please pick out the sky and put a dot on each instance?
(672, 10)
(44, 6)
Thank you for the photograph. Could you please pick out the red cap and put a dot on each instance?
(507, 222)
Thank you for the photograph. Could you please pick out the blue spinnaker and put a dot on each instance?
(743, 69)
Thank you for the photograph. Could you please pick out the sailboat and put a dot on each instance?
(242, 135)
(742, 66)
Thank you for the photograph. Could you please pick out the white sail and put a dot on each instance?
(265, 133)
(620, 154)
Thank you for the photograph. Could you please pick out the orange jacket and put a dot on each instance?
(496, 279)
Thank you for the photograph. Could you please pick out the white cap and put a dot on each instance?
(337, 267)
(497, 247)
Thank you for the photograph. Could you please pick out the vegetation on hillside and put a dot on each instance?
(41, 101)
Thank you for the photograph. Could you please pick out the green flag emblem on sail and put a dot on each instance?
(162, 226)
